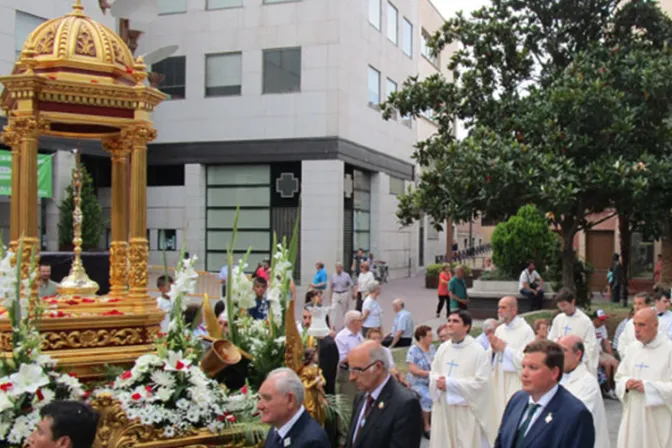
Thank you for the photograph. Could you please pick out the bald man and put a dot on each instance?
(584, 386)
(508, 344)
(644, 386)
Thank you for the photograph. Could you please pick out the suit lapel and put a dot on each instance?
(517, 414)
(541, 424)
(356, 409)
(377, 410)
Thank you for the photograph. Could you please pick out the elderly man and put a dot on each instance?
(281, 406)
(489, 327)
(508, 344)
(457, 290)
(346, 340)
(341, 287)
(644, 386)
(584, 386)
(385, 414)
(402, 329)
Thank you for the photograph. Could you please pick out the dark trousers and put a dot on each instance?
(443, 300)
(360, 302)
(402, 342)
(616, 293)
(536, 298)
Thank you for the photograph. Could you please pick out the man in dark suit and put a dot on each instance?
(545, 413)
(385, 413)
(281, 406)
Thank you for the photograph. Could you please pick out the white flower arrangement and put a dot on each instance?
(281, 275)
(30, 380)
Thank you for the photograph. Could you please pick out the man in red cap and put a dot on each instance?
(607, 362)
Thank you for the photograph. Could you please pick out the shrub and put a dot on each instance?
(93, 224)
(523, 237)
(498, 275)
(583, 271)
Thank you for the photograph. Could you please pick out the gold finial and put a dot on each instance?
(77, 282)
(77, 7)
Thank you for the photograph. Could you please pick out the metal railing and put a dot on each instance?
(469, 255)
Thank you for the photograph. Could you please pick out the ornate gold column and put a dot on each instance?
(119, 245)
(11, 139)
(136, 137)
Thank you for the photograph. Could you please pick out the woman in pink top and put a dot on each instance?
(444, 296)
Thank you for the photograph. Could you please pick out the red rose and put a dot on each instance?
(88, 301)
(243, 390)
(221, 418)
(86, 395)
(6, 386)
(136, 396)
(39, 394)
(231, 418)
(126, 375)
(72, 374)
(149, 389)
(179, 365)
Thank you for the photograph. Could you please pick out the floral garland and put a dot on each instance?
(30, 379)
(168, 389)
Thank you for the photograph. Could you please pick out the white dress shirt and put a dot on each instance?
(284, 429)
(346, 340)
(375, 394)
(543, 401)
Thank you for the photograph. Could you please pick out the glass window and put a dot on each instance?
(216, 260)
(282, 70)
(174, 71)
(172, 6)
(374, 86)
(362, 220)
(221, 239)
(407, 37)
(239, 175)
(167, 240)
(392, 23)
(425, 50)
(396, 186)
(247, 218)
(222, 4)
(24, 25)
(391, 87)
(223, 74)
(362, 239)
(374, 13)
(239, 196)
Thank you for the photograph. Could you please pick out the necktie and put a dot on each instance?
(367, 410)
(520, 434)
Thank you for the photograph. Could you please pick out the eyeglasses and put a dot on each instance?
(360, 370)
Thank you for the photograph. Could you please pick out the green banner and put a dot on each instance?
(44, 174)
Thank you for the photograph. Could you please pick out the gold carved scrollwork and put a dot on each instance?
(118, 267)
(138, 258)
(46, 43)
(57, 340)
(118, 54)
(85, 45)
(9, 137)
(117, 149)
(138, 135)
(26, 127)
(6, 342)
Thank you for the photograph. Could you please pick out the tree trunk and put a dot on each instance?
(568, 257)
(626, 242)
(449, 240)
(666, 252)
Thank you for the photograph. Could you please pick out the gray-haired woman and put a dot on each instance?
(372, 313)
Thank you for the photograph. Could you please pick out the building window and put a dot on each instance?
(425, 50)
(407, 38)
(374, 13)
(174, 70)
(374, 86)
(167, 240)
(172, 6)
(391, 87)
(282, 70)
(270, 2)
(392, 23)
(223, 74)
(165, 175)
(24, 25)
(223, 4)
(397, 186)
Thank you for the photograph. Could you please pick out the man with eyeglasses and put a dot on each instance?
(346, 340)
(385, 413)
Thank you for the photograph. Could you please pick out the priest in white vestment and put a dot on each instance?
(644, 386)
(574, 321)
(584, 386)
(461, 389)
(662, 306)
(640, 302)
(507, 344)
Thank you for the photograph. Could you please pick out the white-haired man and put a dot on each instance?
(488, 328)
(281, 406)
(346, 340)
(341, 288)
(402, 329)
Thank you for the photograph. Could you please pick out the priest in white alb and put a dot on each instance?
(644, 386)
(507, 345)
(461, 389)
(584, 386)
(642, 300)
(574, 321)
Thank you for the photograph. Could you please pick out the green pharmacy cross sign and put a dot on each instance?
(44, 174)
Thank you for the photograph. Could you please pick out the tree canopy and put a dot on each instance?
(566, 105)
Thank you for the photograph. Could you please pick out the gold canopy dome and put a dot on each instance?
(80, 46)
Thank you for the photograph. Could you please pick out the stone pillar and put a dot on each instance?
(119, 214)
(136, 137)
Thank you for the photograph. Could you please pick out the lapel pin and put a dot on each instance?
(288, 441)
(549, 418)
(381, 405)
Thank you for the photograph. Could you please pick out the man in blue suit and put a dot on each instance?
(281, 406)
(545, 413)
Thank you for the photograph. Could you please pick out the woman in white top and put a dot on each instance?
(371, 310)
(365, 277)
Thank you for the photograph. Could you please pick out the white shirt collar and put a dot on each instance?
(284, 429)
(376, 392)
(513, 323)
(546, 398)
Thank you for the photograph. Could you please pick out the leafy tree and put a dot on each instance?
(523, 237)
(93, 222)
(550, 117)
